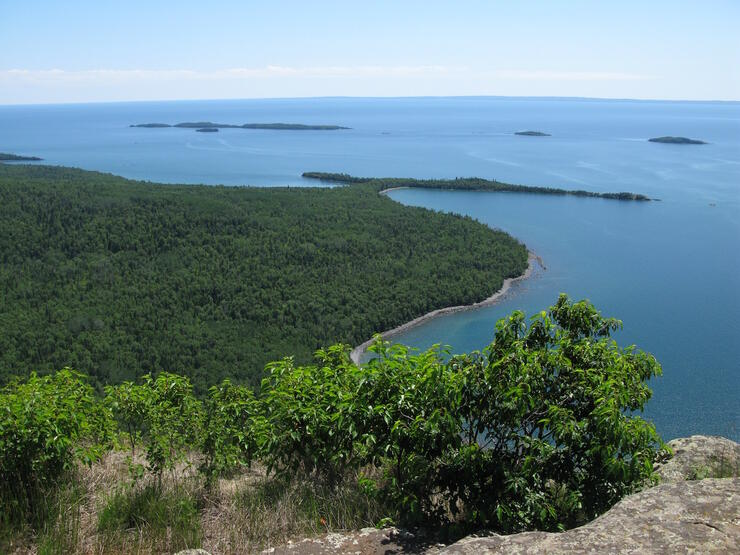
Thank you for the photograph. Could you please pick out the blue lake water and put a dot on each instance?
(670, 270)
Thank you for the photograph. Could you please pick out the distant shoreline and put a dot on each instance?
(209, 125)
(358, 351)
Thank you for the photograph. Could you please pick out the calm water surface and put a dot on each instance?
(670, 270)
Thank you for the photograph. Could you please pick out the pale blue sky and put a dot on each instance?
(83, 51)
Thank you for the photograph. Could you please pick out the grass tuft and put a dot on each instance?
(154, 519)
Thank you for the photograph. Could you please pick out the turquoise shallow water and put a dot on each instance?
(670, 270)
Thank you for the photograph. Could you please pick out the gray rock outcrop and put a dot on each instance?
(684, 517)
(698, 457)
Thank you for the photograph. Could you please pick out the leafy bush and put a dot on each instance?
(410, 422)
(47, 425)
(229, 440)
(310, 421)
(129, 403)
(546, 414)
(536, 431)
(164, 412)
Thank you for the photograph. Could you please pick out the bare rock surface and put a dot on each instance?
(368, 541)
(684, 517)
(698, 457)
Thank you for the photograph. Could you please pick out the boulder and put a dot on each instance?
(702, 516)
(698, 457)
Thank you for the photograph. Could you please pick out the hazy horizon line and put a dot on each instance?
(378, 97)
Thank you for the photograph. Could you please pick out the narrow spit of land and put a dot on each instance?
(464, 184)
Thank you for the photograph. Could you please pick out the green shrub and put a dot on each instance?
(229, 438)
(162, 411)
(537, 431)
(547, 411)
(129, 403)
(410, 420)
(310, 419)
(47, 425)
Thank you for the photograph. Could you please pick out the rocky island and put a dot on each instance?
(202, 125)
(532, 134)
(676, 141)
(5, 157)
(207, 130)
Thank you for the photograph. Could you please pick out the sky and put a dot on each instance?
(103, 50)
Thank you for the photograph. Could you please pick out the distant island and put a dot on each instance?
(465, 184)
(151, 125)
(207, 130)
(203, 125)
(676, 141)
(533, 134)
(5, 157)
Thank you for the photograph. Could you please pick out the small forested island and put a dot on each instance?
(465, 184)
(676, 141)
(5, 157)
(208, 130)
(532, 134)
(200, 125)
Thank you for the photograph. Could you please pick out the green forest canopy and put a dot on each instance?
(119, 278)
(464, 183)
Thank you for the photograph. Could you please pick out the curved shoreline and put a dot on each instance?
(358, 351)
(384, 191)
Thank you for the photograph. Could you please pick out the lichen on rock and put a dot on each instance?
(698, 457)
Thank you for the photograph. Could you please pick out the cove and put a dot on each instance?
(624, 258)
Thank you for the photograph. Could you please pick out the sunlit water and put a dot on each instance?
(670, 270)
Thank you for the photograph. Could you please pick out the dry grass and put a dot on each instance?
(256, 512)
(243, 514)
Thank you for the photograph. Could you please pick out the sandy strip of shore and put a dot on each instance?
(358, 351)
(384, 191)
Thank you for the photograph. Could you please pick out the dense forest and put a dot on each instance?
(119, 278)
(464, 183)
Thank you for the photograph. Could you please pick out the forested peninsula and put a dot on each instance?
(118, 278)
(5, 157)
(462, 183)
(201, 125)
